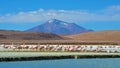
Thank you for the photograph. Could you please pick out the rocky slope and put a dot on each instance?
(59, 27)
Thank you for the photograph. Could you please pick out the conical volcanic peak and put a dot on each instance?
(59, 27)
(56, 21)
(53, 21)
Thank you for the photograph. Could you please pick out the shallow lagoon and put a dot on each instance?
(65, 63)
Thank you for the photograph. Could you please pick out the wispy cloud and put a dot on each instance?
(111, 13)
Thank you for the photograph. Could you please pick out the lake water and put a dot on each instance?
(65, 63)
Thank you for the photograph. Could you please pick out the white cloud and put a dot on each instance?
(111, 13)
(112, 10)
(114, 7)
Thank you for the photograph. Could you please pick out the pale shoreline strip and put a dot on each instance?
(47, 54)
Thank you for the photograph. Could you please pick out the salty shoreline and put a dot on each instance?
(26, 56)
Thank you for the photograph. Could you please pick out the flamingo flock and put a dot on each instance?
(65, 48)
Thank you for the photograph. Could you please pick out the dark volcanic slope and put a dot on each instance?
(17, 35)
(59, 27)
(113, 35)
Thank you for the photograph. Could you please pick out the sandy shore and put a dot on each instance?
(39, 54)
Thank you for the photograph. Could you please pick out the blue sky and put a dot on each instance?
(91, 14)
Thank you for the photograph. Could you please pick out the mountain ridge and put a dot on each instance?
(58, 27)
(19, 35)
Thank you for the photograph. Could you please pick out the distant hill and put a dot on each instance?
(59, 27)
(111, 35)
(89, 36)
(17, 35)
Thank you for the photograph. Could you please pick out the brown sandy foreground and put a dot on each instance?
(108, 35)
